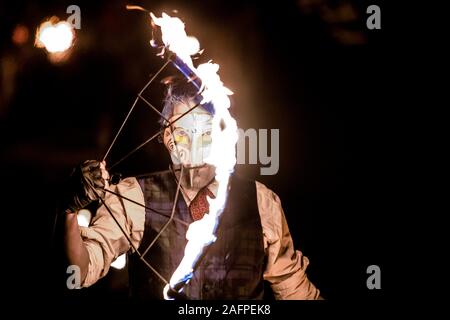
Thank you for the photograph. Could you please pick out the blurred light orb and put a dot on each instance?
(20, 35)
(55, 36)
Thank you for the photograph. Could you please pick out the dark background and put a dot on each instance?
(310, 68)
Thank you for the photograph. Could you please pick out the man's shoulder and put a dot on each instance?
(263, 191)
(126, 184)
(260, 187)
(133, 181)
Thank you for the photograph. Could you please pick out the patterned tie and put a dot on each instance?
(199, 205)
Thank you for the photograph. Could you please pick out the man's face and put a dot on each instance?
(189, 142)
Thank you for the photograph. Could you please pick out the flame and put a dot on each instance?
(224, 134)
(175, 38)
(55, 36)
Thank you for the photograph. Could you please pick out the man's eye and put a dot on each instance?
(206, 137)
(181, 133)
(181, 136)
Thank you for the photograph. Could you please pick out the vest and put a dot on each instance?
(233, 265)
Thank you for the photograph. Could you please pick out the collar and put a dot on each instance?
(188, 195)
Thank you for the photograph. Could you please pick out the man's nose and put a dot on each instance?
(196, 147)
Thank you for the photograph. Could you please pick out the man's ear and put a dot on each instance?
(167, 139)
(161, 135)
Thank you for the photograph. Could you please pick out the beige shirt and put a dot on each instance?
(285, 268)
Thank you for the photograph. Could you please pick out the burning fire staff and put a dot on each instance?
(196, 231)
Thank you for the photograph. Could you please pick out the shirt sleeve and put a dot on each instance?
(104, 240)
(286, 267)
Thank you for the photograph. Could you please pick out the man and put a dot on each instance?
(253, 241)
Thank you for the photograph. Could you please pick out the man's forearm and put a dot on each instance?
(76, 251)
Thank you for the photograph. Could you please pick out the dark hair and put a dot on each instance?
(178, 90)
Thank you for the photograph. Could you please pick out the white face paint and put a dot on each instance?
(189, 143)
